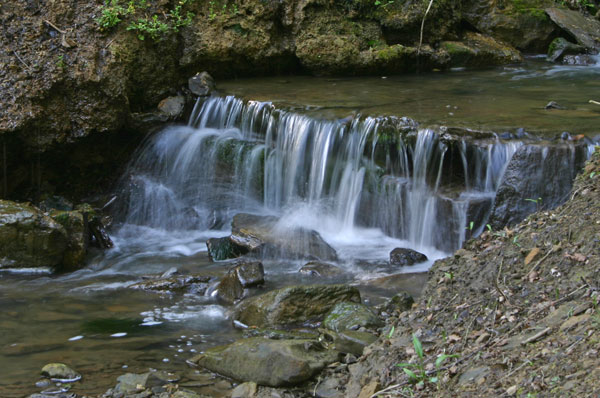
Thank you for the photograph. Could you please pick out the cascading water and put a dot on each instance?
(324, 175)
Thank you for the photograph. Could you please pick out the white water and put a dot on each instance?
(187, 182)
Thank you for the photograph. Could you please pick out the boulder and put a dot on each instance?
(132, 382)
(584, 29)
(351, 316)
(326, 270)
(175, 283)
(411, 283)
(561, 47)
(224, 248)
(266, 362)
(402, 257)
(294, 305)
(263, 235)
(202, 84)
(29, 238)
(537, 177)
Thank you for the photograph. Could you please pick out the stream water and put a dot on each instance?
(283, 147)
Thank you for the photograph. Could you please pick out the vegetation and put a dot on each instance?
(144, 19)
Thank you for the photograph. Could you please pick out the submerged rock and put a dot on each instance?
(266, 362)
(190, 283)
(402, 257)
(351, 316)
(477, 50)
(326, 270)
(132, 382)
(29, 238)
(263, 235)
(294, 305)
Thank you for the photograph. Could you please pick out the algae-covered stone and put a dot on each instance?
(477, 50)
(268, 362)
(315, 268)
(29, 238)
(189, 283)
(294, 305)
(561, 47)
(351, 316)
(60, 371)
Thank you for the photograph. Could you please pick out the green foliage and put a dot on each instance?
(60, 62)
(144, 19)
(416, 371)
(380, 3)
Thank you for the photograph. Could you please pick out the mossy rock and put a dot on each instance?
(351, 316)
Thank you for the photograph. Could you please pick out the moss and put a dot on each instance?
(534, 8)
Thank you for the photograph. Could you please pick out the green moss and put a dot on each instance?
(533, 8)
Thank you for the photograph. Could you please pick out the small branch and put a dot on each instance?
(536, 336)
(21, 59)
(56, 28)
(423, 26)
(537, 264)
(594, 102)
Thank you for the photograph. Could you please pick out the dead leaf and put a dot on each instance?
(531, 256)
(577, 257)
(454, 338)
(533, 276)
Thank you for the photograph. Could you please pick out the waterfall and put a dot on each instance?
(332, 176)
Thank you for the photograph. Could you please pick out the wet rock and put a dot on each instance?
(224, 248)
(244, 390)
(185, 394)
(29, 238)
(402, 257)
(202, 84)
(172, 106)
(231, 287)
(98, 236)
(477, 50)
(56, 203)
(561, 47)
(75, 226)
(579, 60)
(294, 305)
(326, 270)
(250, 274)
(351, 316)
(263, 234)
(177, 283)
(537, 177)
(132, 382)
(585, 30)
(60, 371)
(554, 105)
(268, 362)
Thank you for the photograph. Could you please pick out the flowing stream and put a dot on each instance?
(366, 184)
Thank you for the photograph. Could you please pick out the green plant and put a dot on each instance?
(178, 20)
(538, 202)
(391, 332)
(416, 371)
(384, 4)
(110, 14)
(211, 10)
(152, 28)
(60, 62)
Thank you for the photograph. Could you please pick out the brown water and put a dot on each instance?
(498, 99)
(91, 320)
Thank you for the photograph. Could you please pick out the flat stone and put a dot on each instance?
(268, 362)
(244, 390)
(584, 29)
(352, 316)
(60, 371)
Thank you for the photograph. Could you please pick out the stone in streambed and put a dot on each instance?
(132, 382)
(196, 283)
(243, 275)
(244, 390)
(351, 341)
(315, 268)
(172, 107)
(351, 316)
(60, 371)
(223, 249)
(294, 305)
(402, 257)
(561, 47)
(263, 235)
(202, 84)
(266, 362)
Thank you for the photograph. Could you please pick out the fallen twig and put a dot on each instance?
(54, 26)
(20, 59)
(526, 276)
(536, 336)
